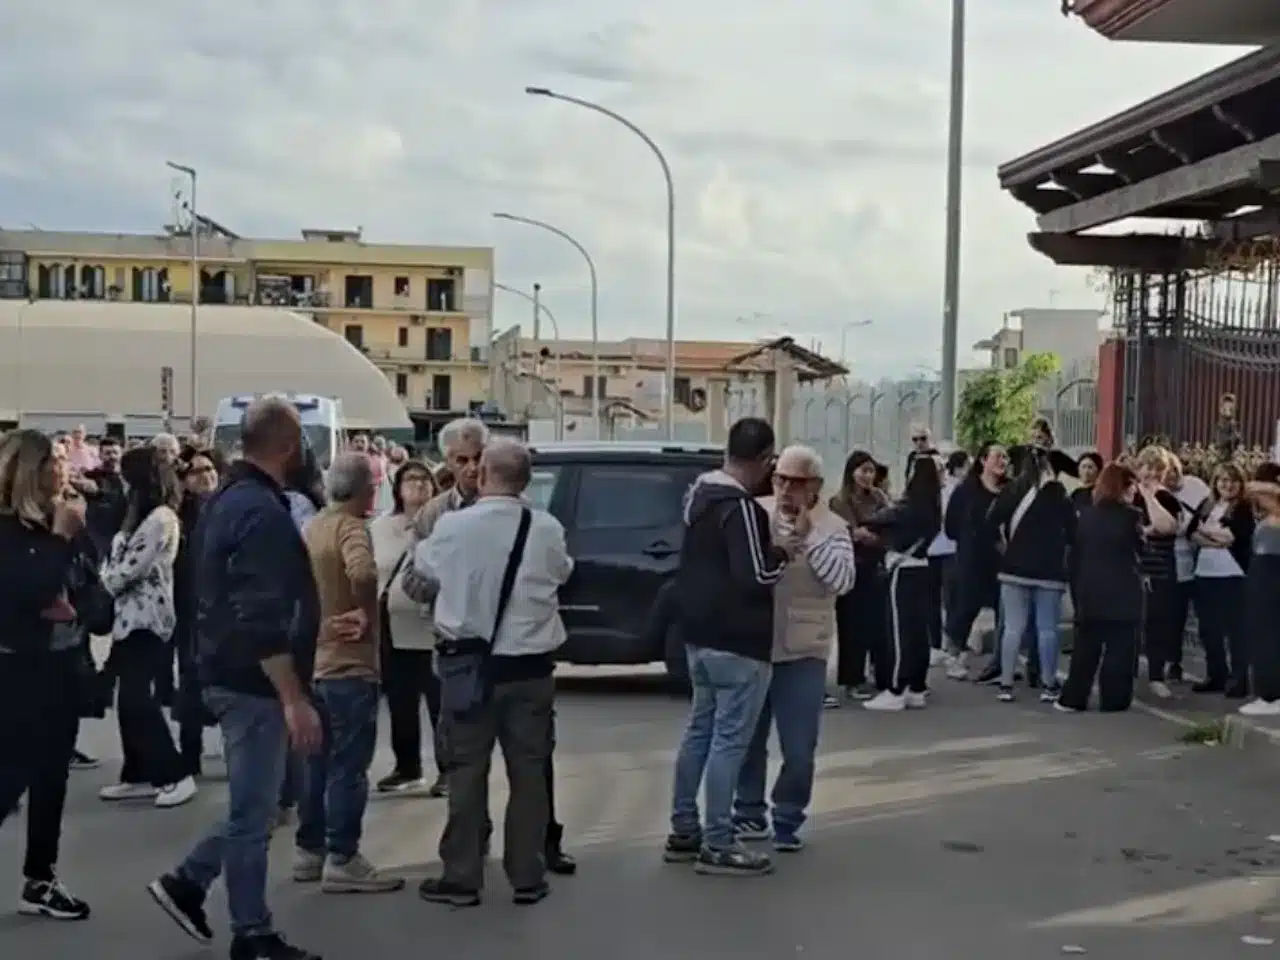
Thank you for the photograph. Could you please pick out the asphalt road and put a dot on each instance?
(971, 829)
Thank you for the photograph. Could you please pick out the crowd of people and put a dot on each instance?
(290, 601)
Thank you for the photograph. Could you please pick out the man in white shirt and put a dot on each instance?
(467, 555)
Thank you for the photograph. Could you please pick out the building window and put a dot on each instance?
(13, 275)
(150, 285)
(683, 390)
(402, 286)
(402, 337)
(442, 294)
(587, 384)
(354, 332)
(359, 292)
(441, 392)
(439, 344)
(1010, 357)
(402, 385)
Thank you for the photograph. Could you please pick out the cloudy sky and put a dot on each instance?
(806, 140)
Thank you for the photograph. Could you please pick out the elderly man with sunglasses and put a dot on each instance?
(804, 629)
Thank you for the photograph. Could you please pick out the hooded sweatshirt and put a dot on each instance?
(728, 569)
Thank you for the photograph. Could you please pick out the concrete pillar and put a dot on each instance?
(717, 411)
(784, 396)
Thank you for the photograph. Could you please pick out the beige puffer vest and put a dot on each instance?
(804, 608)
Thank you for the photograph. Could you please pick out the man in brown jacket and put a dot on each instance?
(346, 692)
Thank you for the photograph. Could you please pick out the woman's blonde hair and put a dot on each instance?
(1153, 456)
(24, 456)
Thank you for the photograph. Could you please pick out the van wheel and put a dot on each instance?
(677, 664)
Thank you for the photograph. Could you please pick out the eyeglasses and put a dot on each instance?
(788, 481)
(919, 439)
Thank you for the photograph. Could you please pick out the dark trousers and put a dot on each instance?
(1263, 629)
(1160, 634)
(909, 619)
(166, 688)
(860, 629)
(519, 719)
(1220, 614)
(1186, 590)
(1105, 651)
(331, 812)
(189, 709)
(39, 718)
(940, 586)
(149, 753)
(409, 677)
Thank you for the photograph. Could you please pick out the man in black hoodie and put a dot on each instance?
(723, 599)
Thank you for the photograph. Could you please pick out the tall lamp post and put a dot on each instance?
(540, 308)
(951, 270)
(195, 280)
(669, 399)
(844, 334)
(595, 292)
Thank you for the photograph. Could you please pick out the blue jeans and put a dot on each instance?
(728, 694)
(255, 742)
(1019, 605)
(336, 780)
(795, 705)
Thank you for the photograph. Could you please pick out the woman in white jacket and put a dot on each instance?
(139, 574)
(407, 639)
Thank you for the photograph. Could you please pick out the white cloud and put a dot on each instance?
(806, 140)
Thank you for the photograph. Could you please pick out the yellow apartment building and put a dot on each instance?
(421, 314)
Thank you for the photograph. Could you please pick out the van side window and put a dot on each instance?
(630, 497)
(542, 486)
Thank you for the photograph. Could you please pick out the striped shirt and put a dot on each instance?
(831, 561)
(1157, 560)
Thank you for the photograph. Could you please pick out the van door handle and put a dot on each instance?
(659, 549)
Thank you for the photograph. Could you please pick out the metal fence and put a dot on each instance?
(836, 418)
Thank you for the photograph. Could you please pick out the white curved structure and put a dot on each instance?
(90, 361)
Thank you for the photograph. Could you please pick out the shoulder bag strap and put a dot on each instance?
(395, 572)
(513, 565)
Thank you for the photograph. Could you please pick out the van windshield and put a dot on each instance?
(226, 438)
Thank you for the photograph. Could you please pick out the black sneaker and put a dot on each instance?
(82, 761)
(49, 898)
(830, 702)
(560, 863)
(682, 847)
(1050, 693)
(439, 890)
(398, 782)
(268, 946)
(752, 828)
(734, 862)
(1005, 695)
(183, 901)
(527, 896)
(1174, 673)
(990, 674)
(440, 788)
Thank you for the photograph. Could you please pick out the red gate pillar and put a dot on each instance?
(1110, 394)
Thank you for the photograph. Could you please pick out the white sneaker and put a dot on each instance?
(886, 701)
(937, 657)
(915, 701)
(958, 667)
(128, 791)
(1160, 689)
(176, 794)
(1261, 708)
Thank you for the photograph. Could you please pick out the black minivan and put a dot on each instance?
(621, 505)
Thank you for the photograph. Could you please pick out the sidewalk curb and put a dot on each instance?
(1238, 731)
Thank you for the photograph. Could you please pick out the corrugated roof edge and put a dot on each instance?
(1230, 79)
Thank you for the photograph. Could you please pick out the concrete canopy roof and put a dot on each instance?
(1195, 152)
(84, 356)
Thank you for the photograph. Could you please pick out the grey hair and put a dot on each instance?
(463, 430)
(350, 476)
(807, 456)
(165, 440)
(509, 462)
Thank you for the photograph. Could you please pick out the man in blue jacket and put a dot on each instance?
(257, 621)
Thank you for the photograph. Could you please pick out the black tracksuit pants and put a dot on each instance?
(910, 614)
(860, 629)
(1220, 605)
(1104, 651)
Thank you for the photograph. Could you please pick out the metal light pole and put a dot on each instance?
(951, 271)
(669, 399)
(595, 292)
(195, 279)
(541, 309)
(844, 333)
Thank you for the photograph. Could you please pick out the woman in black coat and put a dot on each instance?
(1109, 595)
(40, 659)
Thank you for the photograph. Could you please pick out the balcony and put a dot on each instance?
(1245, 22)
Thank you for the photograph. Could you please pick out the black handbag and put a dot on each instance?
(462, 664)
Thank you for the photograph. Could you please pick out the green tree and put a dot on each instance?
(999, 405)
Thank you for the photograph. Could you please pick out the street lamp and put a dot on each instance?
(669, 400)
(595, 291)
(951, 270)
(195, 277)
(844, 332)
(541, 308)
